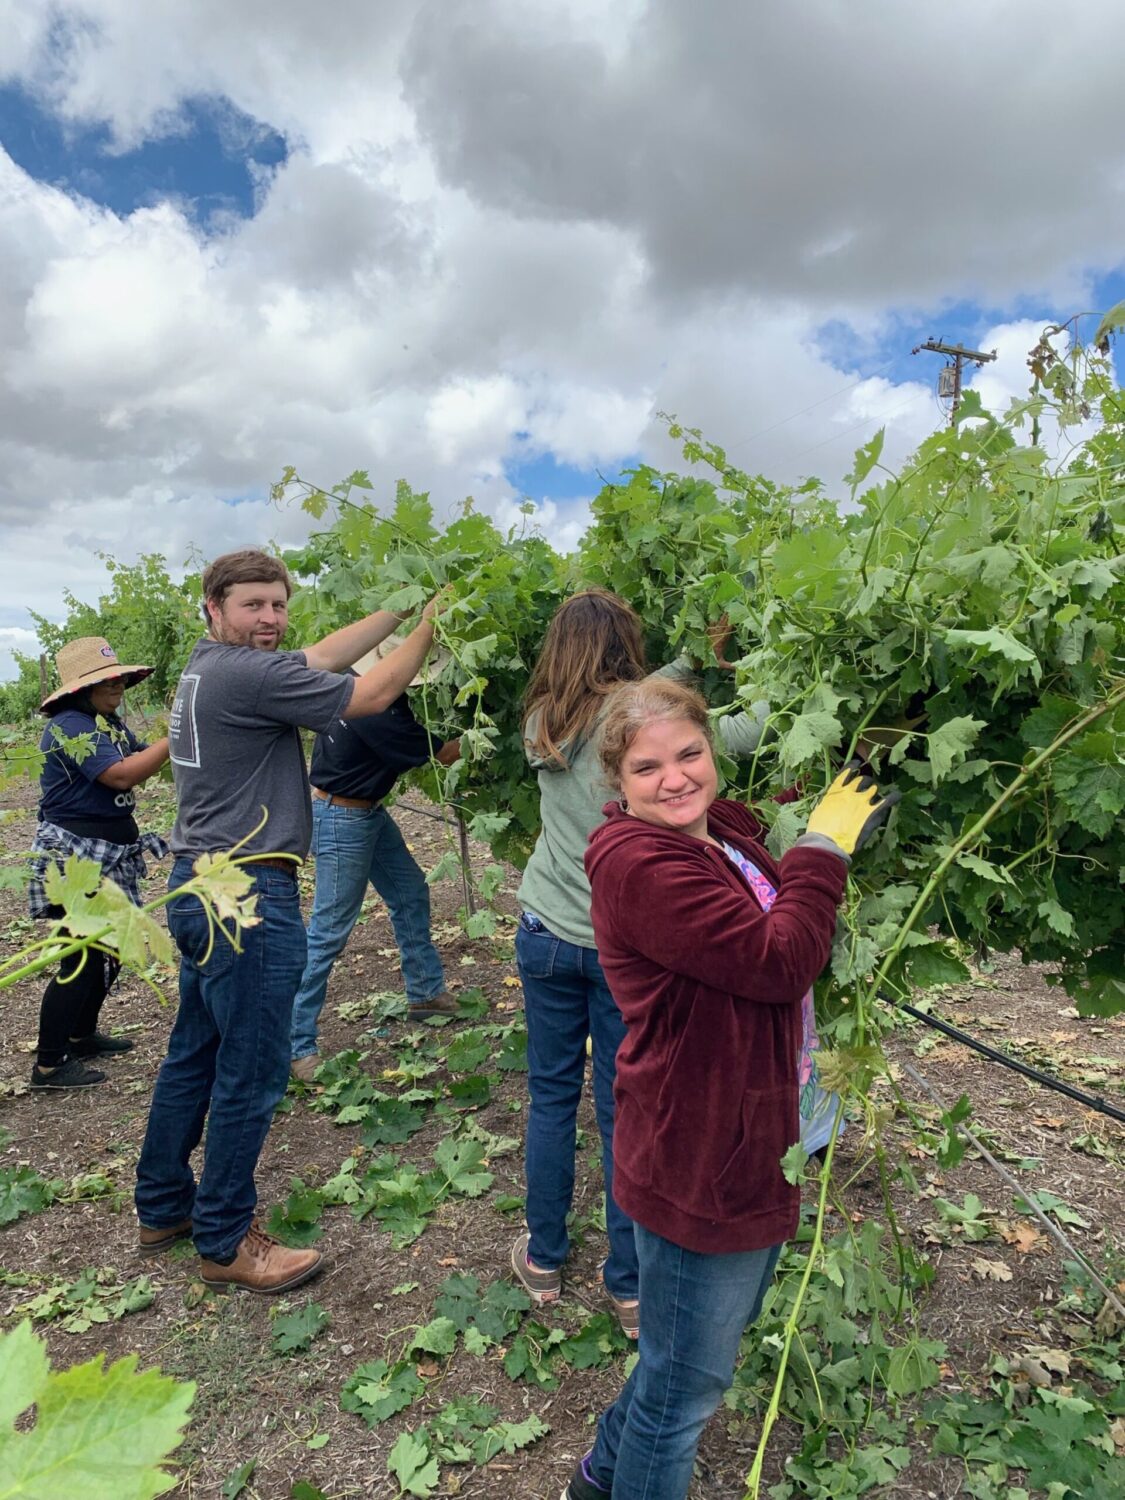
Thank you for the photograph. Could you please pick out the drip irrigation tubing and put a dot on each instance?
(426, 812)
(1091, 1101)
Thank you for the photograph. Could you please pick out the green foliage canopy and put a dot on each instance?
(962, 616)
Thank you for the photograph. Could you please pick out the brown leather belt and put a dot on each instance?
(290, 866)
(363, 803)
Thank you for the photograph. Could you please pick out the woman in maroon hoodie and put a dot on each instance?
(709, 947)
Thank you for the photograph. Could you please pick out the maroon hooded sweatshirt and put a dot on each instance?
(710, 988)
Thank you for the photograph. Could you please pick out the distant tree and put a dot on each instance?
(145, 616)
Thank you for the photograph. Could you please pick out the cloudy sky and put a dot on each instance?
(483, 246)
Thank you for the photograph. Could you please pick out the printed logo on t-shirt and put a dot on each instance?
(183, 733)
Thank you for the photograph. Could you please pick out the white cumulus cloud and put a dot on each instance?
(522, 233)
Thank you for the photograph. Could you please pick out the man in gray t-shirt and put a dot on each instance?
(240, 775)
(236, 747)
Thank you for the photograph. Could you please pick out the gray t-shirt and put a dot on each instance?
(236, 747)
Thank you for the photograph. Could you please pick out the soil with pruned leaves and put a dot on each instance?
(992, 1295)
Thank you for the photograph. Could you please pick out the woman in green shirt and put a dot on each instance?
(593, 644)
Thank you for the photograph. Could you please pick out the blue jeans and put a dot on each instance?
(352, 846)
(228, 1057)
(566, 999)
(694, 1309)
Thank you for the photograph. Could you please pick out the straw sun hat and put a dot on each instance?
(432, 667)
(87, 661)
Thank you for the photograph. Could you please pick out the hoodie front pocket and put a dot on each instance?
(751, 1174)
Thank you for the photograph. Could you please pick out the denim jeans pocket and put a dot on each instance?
(354, 814)
(536, 952)
(201, 942)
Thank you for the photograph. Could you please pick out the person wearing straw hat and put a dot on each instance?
(93, 764)
(355, 841)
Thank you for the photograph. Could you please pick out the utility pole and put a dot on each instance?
(949, 381)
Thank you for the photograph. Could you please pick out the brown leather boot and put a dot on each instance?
(154, 1241)
(304, 1068)
(263, 1264)
(444, 1004)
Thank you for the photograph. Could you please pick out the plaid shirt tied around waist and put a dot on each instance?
(124, 864)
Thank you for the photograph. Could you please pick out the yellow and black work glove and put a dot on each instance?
(848, 813)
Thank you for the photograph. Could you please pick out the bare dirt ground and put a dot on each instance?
(284, 1412)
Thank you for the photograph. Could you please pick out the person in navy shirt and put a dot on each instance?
(87, 800)
(355, 764)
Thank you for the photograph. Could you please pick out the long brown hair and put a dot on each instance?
(593, 644)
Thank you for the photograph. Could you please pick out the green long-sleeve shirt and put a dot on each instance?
(554, 884)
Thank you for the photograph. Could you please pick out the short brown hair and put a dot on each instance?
(250, 565)
(636, 704)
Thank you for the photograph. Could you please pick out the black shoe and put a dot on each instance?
(578, 1487)
(98, 1044)
(72, 1074)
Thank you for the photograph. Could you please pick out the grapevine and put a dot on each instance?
(963, 618)
(958, 617)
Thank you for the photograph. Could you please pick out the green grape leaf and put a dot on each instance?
(377, 1390)
(1098, 987)
(23, 1191)
(437, 1337)
(99, 1433)
(294, 1332)
(413, 1465)
(1089, 777)
(865, 459)
(1056, 918)
(1046, 722)
(1112, 322)
(595, 1343)
(457, 1298)
(933, 964)
(793, 1163)
(913, 1367)
(480, 924)
(471, 1092)
(949, 745)
(811, 733)
(997, 642)
(507, 1437)
(459, 1160)
(238, 1482)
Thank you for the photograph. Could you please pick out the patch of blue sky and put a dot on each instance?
(545, 478)
(887, 351)
(208, 159)
(243, 497)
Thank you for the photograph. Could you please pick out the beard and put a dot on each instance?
(257, 637)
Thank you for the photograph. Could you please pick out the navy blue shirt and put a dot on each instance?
(364, 757)
(69, 786)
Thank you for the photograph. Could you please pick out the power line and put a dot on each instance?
(832, 395)
(875, 417)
